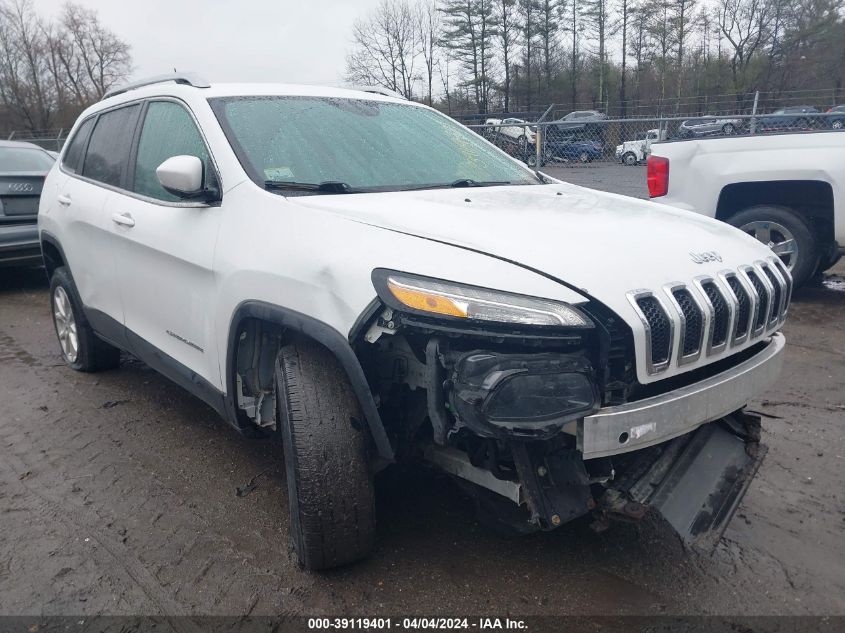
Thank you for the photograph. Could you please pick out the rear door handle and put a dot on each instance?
(123, 219)
(64, 200)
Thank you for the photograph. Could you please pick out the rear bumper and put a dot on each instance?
(647, 422)
(19, 245)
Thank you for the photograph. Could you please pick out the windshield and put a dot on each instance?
(24, 159)
(367, 145)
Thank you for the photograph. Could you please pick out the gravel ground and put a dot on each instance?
(629, 181)
(118, 495)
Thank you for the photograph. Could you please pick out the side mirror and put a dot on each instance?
(183, 177)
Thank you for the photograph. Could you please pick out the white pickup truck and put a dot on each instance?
(784, 189)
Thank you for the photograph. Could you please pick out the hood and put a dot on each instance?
(604, 245)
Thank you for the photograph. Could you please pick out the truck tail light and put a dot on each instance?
(657, 176)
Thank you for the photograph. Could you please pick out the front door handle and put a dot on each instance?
(64, 200)
(123, 219)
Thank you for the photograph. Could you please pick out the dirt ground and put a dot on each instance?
(119, 494)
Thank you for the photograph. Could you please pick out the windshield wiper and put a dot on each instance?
(327, 186)
(461, 182)
(469, 182)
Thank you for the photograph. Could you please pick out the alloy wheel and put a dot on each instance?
(777, 237)
(65, 323)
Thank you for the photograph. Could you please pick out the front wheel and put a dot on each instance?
(728, 129)
(838, 124)
(782, 230)
(324, 437)
(629, 159)
(80, 347)
(584, 157)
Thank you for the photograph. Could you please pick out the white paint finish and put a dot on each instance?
(700, 169)
(182, 174)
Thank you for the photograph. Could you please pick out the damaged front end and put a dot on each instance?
(544, 425)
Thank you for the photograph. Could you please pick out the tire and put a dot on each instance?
(523, 143)
(629, 158)
(806, 255)
(838, 124)
(584, 157)
(330, 483)
(88, 352)
(728, 129)
(802, 124)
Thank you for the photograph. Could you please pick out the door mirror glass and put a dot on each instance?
(182, 176)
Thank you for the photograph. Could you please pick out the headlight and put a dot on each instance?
(434, 297)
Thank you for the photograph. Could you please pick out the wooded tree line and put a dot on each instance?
(626, 57)
(50, 70)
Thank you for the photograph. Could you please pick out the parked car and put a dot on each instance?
(790, 118)
(365, 280)
(836, 120)
(23, 167)
(582, 151)
(786, 190)
(513, 130)
(581, 125)
(636, 151)
(708, 125)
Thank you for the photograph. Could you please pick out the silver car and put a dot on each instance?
(709, 124)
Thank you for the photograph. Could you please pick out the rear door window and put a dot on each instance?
(72, 159)
(108, 150)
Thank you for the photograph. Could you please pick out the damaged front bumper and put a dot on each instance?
(629, 427)
(688, 454)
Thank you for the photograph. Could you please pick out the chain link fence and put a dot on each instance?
(52, 140)
(576, 141)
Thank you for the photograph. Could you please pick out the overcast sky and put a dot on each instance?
(300, 41)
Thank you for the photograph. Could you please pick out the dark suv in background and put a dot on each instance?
(23, 167)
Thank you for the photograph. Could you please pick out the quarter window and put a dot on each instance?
(169, 130)
(72, 159)
(108, 151)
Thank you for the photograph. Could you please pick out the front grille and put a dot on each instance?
(721, 314)
(743, 307)
(693, 321)
(660, 329)
(746, 298)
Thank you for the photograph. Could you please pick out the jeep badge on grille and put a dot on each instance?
(706, 256)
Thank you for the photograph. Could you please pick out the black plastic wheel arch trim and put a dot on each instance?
(329, 338)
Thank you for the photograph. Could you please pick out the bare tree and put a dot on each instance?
(597, 16)
(93, 57)
(744, 24)
(548, 25)
(622, 25)
(575, 28)
(506, 29)
(681, 18)
(385, 48)
(26, 88)
(529, 12)
(428, 37)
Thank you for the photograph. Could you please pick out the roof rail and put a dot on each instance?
(187, 79)
(378, 90)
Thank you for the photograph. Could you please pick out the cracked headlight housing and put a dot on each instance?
(438, 298)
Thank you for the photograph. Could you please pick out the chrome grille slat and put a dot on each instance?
(739, 296)
(659, 329)
(690, 314)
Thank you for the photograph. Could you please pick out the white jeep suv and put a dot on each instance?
(367, 281)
